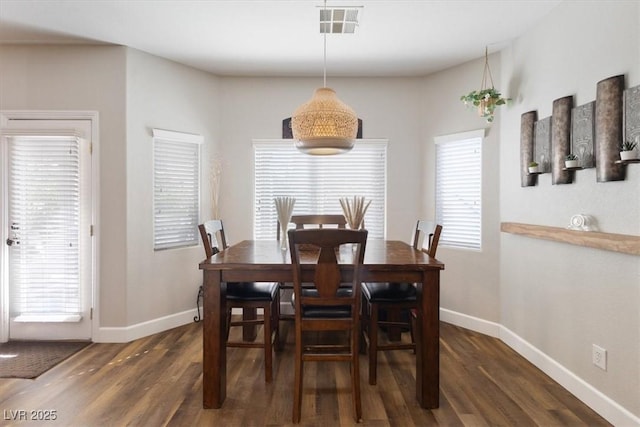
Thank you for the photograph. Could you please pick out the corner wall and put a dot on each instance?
(469, 282)
(560, 298)
(162, 285)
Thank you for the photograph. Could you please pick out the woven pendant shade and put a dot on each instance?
(324, 124)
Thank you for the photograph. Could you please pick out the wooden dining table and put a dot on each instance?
(266, 261)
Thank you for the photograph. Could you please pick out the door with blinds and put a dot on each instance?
(47, 251)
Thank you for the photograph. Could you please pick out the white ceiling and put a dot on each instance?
(281, 37)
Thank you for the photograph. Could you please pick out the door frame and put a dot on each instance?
(8, 116)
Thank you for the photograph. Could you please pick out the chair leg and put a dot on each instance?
(413, 324)
(364, 325)
(373, 343)
(226, 338)
(298, 380)
(268, 351)
(276, 323)
(355, 371)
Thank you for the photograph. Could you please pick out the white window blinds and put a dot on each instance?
(458, 189)
(317, 182)
(47, 227)
(176, 189)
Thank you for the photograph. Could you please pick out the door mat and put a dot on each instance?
(29, 359)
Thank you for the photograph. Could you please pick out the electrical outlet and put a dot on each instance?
(599, 357)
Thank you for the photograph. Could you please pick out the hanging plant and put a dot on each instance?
(487, 98)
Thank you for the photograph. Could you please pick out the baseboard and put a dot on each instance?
(469, 322)
(595, 399)
(141, 330)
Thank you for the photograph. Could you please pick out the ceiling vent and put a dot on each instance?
(339, 20)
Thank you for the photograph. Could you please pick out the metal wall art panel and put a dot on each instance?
(542, 144)
(632, 115)
(608, 124)
(582, 134)
(527, 123)
(561, 139)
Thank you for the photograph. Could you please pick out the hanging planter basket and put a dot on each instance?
(487, 98)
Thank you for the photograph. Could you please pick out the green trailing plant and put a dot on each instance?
(628, 146)
(571, 156)
(533, 164)
(487, 98)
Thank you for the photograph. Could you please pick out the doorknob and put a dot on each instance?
(10, 242)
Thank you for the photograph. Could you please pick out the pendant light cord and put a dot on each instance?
(325, 47)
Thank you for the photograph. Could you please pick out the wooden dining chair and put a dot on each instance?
(303, 222)
(247, 295)
(395, 300)
(315, 221)
(330, 304)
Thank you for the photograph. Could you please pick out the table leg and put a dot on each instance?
(428, 340)
(214, 344)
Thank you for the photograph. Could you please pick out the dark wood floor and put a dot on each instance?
(157, 381)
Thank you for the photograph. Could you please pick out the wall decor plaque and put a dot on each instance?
(632, 115)
(582, 133)
(561, 139)
(608, 125)
(527, 124)
(542, 144)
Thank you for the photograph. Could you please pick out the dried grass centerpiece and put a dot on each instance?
(284, 208)
(354, 210)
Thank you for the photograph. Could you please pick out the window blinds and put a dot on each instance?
(317, 182)
(176, 189)
(458, 191)
(45, 220)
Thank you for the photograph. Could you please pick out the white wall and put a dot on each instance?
(255, 108)
(562, 298)
(133, 92)
(558, 298)
(469, 282)
(83, 78)
(165, 95)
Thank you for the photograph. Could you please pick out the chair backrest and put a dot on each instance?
(427, 232)
(318, 221)
(213, 238)
(327, 275)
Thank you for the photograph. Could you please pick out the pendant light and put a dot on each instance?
(324, 125)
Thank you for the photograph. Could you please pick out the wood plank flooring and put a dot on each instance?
(157, 381)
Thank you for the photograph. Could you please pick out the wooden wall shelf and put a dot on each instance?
(622, 243)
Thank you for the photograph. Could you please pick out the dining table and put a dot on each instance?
(266, 261)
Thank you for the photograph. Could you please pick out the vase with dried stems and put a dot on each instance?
(284, 208)
(354, 210)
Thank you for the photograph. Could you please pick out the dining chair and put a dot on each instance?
(330, 304)
(302, 222)
(317, 221)
(247, 295)
(393, 299)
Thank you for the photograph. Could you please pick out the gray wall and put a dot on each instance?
(559, 298)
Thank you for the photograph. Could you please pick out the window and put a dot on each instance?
(176, 189)
(48, 226)
(317, 182)
(458, 189)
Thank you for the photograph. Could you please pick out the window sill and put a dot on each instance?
(48, 318)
